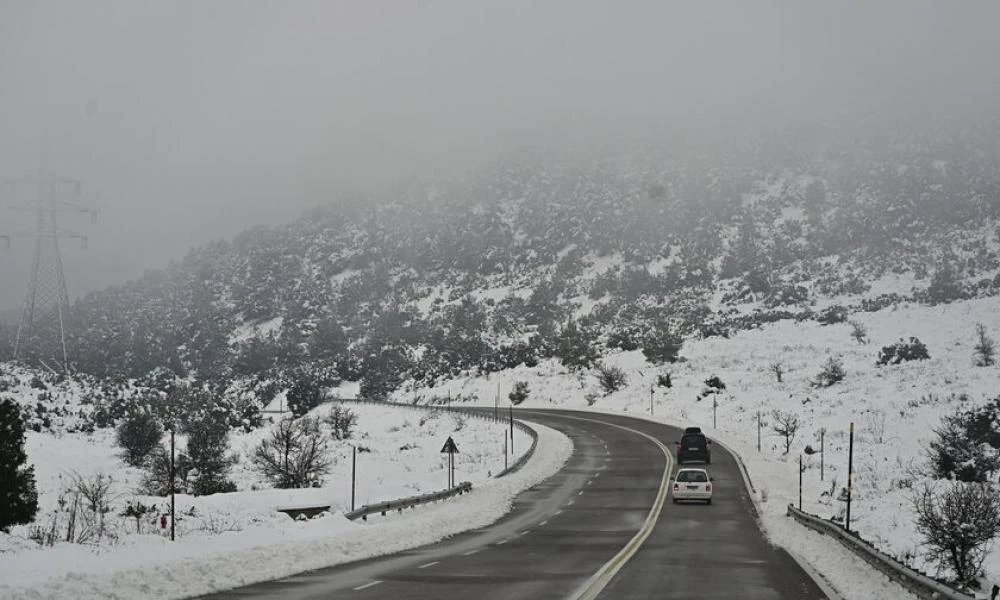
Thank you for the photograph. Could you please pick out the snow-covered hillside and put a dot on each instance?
(893, 407)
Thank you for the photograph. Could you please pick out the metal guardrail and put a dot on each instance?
(401, 503)
(523, 460)
(921, 585)
(479, 414)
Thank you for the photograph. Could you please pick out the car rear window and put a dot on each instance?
(692, 477)
(692, 441)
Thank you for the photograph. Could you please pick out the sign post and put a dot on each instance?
(451, 449)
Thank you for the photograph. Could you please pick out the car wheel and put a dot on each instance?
(709, 501)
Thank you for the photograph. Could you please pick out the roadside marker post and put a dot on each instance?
(451, 449)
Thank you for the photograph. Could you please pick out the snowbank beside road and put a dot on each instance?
(155, 568)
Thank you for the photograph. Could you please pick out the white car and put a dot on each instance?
(692, 484)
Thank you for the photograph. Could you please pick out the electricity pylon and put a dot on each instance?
(41, 334)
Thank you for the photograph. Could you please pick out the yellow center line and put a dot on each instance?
(599, 580)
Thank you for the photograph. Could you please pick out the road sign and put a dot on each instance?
(449, 446)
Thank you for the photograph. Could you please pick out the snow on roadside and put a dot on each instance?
(154, 568)
(894, 408)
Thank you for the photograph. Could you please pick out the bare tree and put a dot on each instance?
(296, 454)
(778, 369)
(958, 525)
(875, 425)
(985, 348)
(785, 424)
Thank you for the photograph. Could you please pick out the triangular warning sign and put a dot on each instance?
(450, 446)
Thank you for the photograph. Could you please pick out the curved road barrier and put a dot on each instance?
(400, 504)
(921, 585)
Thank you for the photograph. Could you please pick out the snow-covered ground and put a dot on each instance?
(894, 409)
(225, 540)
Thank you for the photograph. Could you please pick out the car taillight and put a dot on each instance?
(708, 487)
(676, 487)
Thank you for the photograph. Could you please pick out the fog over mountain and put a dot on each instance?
(192, 121)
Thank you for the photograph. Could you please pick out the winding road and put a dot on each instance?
(602, 527)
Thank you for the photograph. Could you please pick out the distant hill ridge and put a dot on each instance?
(545, 257)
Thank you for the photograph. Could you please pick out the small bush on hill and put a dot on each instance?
(520, 392)
(295, 455)
(957, 525)
(831, 373)
(902, 351)
(966, 446)
(611, 378)
(832, 315)
(138, 435)
(985, 348)
(341, 421)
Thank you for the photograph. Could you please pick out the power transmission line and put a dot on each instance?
(41, 333)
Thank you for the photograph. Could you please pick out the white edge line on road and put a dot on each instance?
(430, 564)
(367, 585)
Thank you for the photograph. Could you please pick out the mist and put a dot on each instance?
(191, 121)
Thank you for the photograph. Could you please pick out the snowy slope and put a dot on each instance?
(894, 409)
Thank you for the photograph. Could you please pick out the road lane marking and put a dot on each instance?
(470, 552)
(430, 564)
(559, 512)
(542, 524)
(366, 586)
(580, 493)
(501, 542)
(599, 580)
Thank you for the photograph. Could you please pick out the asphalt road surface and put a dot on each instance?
(600, 528)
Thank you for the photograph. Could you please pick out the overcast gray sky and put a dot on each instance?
(192, 120)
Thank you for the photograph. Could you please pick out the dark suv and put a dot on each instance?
(693, 447)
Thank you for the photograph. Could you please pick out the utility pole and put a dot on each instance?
(850, 477)
(173, 479)
(822, 455)
(800, 482)
(758, 431)
(512, 429)
(651, 400)
(41, 333)
(715, 410)
(354, 474)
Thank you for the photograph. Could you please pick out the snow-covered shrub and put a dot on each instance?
(901, 351)
(832, 315)
(664, 379)
(661, 344)
(958, 524)
(520, 392)
(611, 378)
(295, 455)
(966, 446)
(859, 332)
(138, 434)
(985, 348)
(830, 373)
(341, 421)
